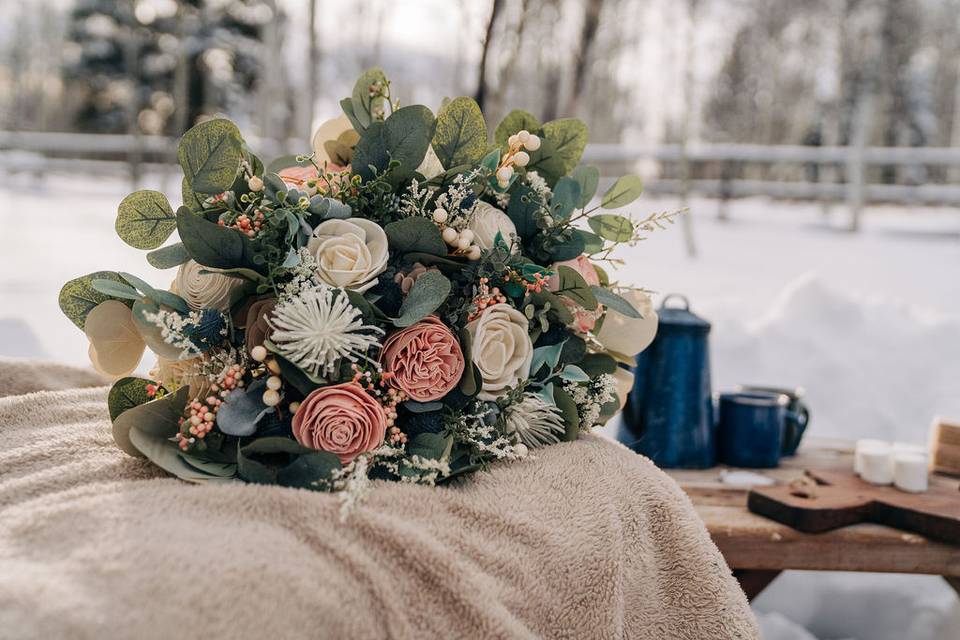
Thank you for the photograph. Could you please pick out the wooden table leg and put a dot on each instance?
(753, 581)
(953, 581)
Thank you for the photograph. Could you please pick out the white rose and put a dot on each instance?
(501, 349)
(350, 253)
(629, 336)
(430, 167)
(205, 290)
(487, 221)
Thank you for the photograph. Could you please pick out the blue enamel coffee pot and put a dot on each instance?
(669, 413)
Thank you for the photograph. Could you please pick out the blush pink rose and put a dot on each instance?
(299, 177)
(425, 359)
(583, 320)
(341, 419)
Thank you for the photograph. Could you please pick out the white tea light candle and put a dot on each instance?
(876, 465)
(864, 445)
(910, 472)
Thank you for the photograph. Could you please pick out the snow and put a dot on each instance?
(867, 323)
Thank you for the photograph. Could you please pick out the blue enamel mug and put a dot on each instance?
(751, 428)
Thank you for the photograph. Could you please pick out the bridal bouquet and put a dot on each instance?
(410, 301)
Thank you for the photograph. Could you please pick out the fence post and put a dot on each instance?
(132, 64)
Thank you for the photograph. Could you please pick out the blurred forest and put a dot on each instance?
(811, 72)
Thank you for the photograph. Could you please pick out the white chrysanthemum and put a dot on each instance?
(317, 328)
(534, 421)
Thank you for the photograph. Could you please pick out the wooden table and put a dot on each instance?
(757, 549)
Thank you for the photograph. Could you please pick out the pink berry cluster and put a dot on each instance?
(388, 396)
(199, 417)
(486, 297)
(246, 224)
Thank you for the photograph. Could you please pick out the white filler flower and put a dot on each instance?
(317, 328)
(534, 421)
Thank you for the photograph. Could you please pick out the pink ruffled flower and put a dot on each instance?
(583, 320)
(425, 359)
(341, 419)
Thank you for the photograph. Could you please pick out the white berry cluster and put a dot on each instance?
(516, 156)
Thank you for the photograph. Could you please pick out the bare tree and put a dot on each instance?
(588, 35)
(480, 95)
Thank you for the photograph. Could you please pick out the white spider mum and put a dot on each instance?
(534, 421)
(318, 327)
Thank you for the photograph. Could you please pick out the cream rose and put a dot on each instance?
(487, 221)
(205, 290)
(501, 349)
(350, 253)
(629, 336)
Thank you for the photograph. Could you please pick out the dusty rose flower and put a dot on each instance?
(425, 359)
(406, 280)
(256, 322)
(307, 179)
(341, 419)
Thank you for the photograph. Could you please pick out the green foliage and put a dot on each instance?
(516, 120)
(211, 245)
(283, 461)
(574, 287)
(191, 199)
(396, 146)
(145, 219)
(592, 243)
(597, 364)
(210, 155)
(427, 294)
(114, 289)
(127, 393)
(168, 257)
(159, 418)
(461, 135)
(568, 409)
(612, 227)
(588, 177)
(412, 235)
(159, 296)
(613, 301)
(624, 191)
(78, 296)
(524, 204)
(562, 144)
(150, 332)
(566, 197)
(471, 380)
(364, 102)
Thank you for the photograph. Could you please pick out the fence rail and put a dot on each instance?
(38, 151)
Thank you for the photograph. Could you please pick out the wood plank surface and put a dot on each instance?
(750, 541)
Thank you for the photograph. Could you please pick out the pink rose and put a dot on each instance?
(298, 177)
(425, 359)
(341, 419)
(583, 320)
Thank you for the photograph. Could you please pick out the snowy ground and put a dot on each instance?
(867, 323)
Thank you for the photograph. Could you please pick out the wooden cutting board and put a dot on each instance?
(838, 498)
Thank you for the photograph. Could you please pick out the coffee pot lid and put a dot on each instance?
(680, 317)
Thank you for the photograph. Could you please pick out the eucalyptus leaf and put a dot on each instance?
(548, 355)
(347, 105)
(524, 202)
(415, 235)
(403, 138)
(491, 160)
(569, 138)
(166, 455)
(568, 249)
(211, 245)
(427, 294)
(470, 381)
(168, 257)
(574, 287)
(127, 393)
(78, 296)
(613, 301)
(588, 177)
(158, 418)
(191, 199)
(151, 333)
(592, 243)
(145, 219)
(428, 445)
(568, 409)
(277, 460)
(624, 191)
(612, 227)
(597, 364)
(573, 373)
(210, 155)
(210, 467)
(566, 196)
(422, 407)
(159, 296)
(362, 103)
(461, 133)
(243, 409)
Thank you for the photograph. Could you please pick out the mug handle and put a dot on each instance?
(801, 418)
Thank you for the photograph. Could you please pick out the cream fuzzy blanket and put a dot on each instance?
(587, 541)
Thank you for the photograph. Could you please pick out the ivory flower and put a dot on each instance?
(115, 344)
(205, 290)
(501, 349)
(350, 253)
(629, 336)
(341, 419)
(486, 222)
(624, 382)
(425, 359)
(333, 142)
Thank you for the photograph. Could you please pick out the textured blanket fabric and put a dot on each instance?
(19, 376)
(587, 541)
